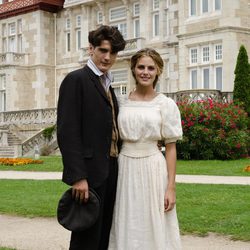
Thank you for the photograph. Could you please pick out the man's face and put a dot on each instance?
(102, 56)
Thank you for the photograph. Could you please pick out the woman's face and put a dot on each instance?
(145, 71)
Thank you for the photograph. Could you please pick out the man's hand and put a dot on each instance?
(80, 190)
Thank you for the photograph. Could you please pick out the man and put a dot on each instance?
(88, 136)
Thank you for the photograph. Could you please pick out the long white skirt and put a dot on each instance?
(139, 220)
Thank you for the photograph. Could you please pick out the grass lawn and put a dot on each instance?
(201, 208)
(6, 248)
(222, 209)
(212, 167)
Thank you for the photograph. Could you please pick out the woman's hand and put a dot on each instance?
(169, 199)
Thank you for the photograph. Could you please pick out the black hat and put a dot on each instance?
(76, 216)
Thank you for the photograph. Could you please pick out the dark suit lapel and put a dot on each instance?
(97, 82)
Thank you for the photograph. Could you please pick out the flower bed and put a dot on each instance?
(213, 130)
(18, 161)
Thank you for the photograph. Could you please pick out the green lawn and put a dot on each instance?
(212, 167)
(30, 198)
(6, 248)
(222, 209)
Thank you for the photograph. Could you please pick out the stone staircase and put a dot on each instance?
(7, 152)
(9, 149)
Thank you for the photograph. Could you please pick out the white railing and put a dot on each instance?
(34, 116)
(29, 145)
(69, 3)
(201, 94)
(13, 58)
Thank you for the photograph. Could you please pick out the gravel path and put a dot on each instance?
(46, 234)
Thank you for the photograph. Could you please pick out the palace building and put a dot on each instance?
(43, 40)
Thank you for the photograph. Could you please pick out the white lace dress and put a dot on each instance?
(139, 220)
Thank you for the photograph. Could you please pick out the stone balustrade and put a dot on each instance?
(13, 58)
(48, 116)
(34, 116)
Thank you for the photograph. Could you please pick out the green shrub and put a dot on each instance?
(213, 130)
(48, 132)
(241, 91)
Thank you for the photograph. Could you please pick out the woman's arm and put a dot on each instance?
(170, 196)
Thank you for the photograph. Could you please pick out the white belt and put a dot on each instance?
(139, 149)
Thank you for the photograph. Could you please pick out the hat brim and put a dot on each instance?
(76, 216)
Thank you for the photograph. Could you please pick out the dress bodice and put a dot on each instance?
(142, 121)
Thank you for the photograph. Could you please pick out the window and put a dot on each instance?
(218, 52)
(204, 6)
(2, 93)
(218, 77)
(120, 79)
(205, 54)
(4, 30)
(122, 27)
(19, 26)
(120, 90)
(192, 7)
(68, 41)
(217, 5)
(78, 21)
(119, 76)
(4, 45)
(67, 24)
(156, 4)
(117, 13)
(12, 29)
(201, 75)
(78, 39)
(194, 79)
(67, 34)
(193, 55)
(99, 17)
(206, 78)
(20, 44)
(136, 28)
(12, 44)
(136, 9)
(156, 30)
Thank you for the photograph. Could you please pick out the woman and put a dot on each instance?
(145, 216)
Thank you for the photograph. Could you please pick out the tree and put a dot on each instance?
(241, 91)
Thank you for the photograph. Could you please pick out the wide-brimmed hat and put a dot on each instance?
(75, 215)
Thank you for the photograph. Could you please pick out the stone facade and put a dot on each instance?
(199, 45)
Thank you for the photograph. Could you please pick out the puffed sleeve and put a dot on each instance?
(171, 129)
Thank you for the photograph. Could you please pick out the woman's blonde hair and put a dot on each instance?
(151, 53)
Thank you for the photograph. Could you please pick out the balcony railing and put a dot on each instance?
(69, 3)
(48, 116)
(34, 116)
(13, 58)
(201, 94)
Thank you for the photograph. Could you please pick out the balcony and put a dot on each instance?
(17, 7)
(13, 58)
(70, 3)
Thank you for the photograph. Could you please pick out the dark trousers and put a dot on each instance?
(97, 237)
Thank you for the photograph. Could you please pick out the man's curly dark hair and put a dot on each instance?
(110, 33)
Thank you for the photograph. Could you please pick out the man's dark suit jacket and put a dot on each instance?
(84, 127)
